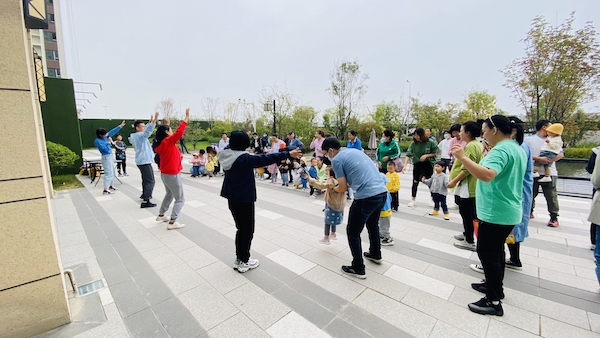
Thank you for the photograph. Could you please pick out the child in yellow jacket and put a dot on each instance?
(393, 185)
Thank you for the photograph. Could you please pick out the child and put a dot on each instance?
(393, 184)
(550, 149)
(284, 169)
(335, 203)
(120, 148)
(239, 188)
(312, 172)
(385, 216)
(303, 171)
(438, 187)
(102, 142)
(211, 162)
(198, 164)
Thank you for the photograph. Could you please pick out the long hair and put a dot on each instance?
(161, 134)
(505, 126)
(421, 133)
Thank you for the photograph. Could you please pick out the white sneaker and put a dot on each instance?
(312, 196)
(545, 179)
(477, 268)
(324, 241)
(162, 218)
(466, 245)
(242, 267)
(412, 204)
(536, 175)
(175, 225)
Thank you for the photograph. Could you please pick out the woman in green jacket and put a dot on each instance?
(465, 183)
(423, 151)
(388, 150)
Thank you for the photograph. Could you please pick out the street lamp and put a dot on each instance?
(268, 108)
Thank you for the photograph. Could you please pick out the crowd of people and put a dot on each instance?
(491, 169)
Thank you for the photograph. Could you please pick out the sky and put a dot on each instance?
(145, 51)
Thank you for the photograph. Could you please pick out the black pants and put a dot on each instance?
(364, 211)
(147, 181)
(243, 215)
(514, 250)
(593, 233)
(490, 249)
(468, 212)
(395, 202)
(122, 165)
(420, 170)
(439, 200)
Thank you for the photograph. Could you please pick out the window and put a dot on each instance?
(51, 17)
(49, 36)
(53, 72)
(52, 55)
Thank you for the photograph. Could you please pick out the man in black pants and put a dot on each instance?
(143, 157)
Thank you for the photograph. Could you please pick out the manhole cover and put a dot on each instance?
(88, 288)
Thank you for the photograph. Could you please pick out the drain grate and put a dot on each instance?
(88, 288)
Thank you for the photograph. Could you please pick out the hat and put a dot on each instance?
(239, 140)
(195, 154)
(555, 128)
(303, 159)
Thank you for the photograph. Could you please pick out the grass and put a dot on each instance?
(64, 182)
(199, 145)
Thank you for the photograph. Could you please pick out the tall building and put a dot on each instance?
(48, 43)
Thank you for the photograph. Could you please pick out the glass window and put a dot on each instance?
(48, 36)
(53, 72)
(51, 54)
(51, 17)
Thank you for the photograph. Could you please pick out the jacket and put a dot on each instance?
(335, 200)
(437, 184)
(595, 211)
(102, 143)
(389, 149)
(143, 149)
(170, 156)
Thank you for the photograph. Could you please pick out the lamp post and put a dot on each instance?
(268, 108)
(409, 105)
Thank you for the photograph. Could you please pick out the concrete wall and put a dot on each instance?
(32, 290)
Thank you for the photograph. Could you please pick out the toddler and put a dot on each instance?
(284, 169)
(393, 184)
(312, 173)
(438, 187)
(210, 166)
(550, 149)
(385, 217)
(198, 164)
(303, 171)
(120, 154)
(335, 203)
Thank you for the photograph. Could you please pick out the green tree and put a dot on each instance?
(303, 123)
(559, 72)
(479, 104)
(387, 114)
(285, 103)
(59, 157)
(194, 134)
(433, 115)
(577, 125)
(364, 132)
(347, 90)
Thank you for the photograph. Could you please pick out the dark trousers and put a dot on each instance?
(395, 202)
(243, 215)
(514, 250)
(420, 170)
(468, 212)
(439, 199)
(364, 211)
(183, 147)
(549, 190)
(490, 249)
(593, 233)
(122, 165)
(147, 181)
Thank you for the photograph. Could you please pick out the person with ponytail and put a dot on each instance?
(499, 205)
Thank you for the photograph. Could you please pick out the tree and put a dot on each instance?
(209, 107)
(59, 157)
(434, 116)
(285, 103)
(302, 123)
(194, 134)
(230, 112)
(387, 114)
(166, 108)
(347, 90)
(478, 105)
(559, 72)
(364, 132)
(577, 125)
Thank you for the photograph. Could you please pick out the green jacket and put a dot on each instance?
(391, 150)
(474, 151)
(418, 149)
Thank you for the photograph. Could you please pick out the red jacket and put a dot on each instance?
(170, 156)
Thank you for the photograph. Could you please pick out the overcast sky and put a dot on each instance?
(142, 51)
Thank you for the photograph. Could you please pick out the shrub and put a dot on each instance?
(578, 152)
(404, 146)
(60, 157)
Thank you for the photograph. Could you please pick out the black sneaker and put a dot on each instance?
(147, 205)
(485, 307)
(350, 270)
(509, 264)
(482, 287)
(371, 258)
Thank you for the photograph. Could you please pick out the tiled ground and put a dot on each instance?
(180, 283)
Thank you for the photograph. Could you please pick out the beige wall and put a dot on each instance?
(32, 290)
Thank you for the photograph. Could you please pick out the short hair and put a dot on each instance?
(540, 124)
(201, 151)
(421, 133)
(472, 128)
(455, 127)
(440, 163)
(392, 163)
(118, 134)
(223, 133)
(100, 132)
(388, 133)
(275, 134)
(320, 132)
(353, 132)
(137, 123)
(329, 143)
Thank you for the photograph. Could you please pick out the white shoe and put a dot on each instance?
(412, 204)
(477, 268)
(536, 175)
(242, 267)
(545, 179)
(466, 245)
(162, 218)
(175, 225)
(324, 241)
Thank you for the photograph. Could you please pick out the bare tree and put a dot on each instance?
(230, 112)
(209, 107)
(347, 90)
(285, 103)
(166, 108)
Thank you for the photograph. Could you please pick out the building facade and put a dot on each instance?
(49, 44)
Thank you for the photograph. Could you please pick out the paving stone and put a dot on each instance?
(176, 319)
(293, 325)
(180, 278)
(222, 277)
(207, 305)
(262, 308)
(144, 324)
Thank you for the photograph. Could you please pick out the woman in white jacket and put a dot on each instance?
(595, 214)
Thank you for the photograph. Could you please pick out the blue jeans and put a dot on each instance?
(285, 178)
(109, 170)
(364, 211)
(304, 182)
(195, 171)
(597, 253)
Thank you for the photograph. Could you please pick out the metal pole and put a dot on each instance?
(274, 119)
(409, 105)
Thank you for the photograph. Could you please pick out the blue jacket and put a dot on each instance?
(356, 144)
(143, 149)
(102, 142)
(295, 143)
(239, 184)
(312, 172)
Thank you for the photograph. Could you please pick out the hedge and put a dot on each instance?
(578, 152)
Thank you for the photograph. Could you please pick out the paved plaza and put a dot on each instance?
(180, 283)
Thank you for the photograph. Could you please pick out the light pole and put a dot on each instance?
(268, 108)
(409, 105)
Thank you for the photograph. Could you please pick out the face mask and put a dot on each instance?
(479, 139)
(255, 137)
(446, 136)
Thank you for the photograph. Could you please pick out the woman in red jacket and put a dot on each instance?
(170, 170)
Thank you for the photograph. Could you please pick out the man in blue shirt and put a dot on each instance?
(102, 142)
(355, 169)
(143, 157)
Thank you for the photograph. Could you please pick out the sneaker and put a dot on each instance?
(324, 241)
(312, 196)
(412, 204)
(593, 247)
(120, 175)
(106, 192)
(535, 175)
(485, 307)
(147, 205)
(545, 179)
(112, 188)
(459, 237)
(434, 212)
(552, 223)
(162, 218)
(242, 267)
(387, 241)
(531, 216)
(476, 268)
(466, 245)
(333, 235)
(447, 217)
(394, 209)
(351, 271)
(509, 264)
(175, 225)
(125, 174)
(368, 256)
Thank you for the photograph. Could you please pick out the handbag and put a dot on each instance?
(399, 164)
